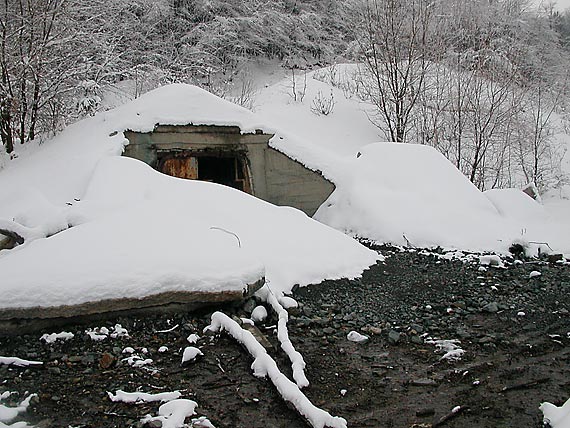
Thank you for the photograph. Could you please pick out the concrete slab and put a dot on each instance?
(24, 320)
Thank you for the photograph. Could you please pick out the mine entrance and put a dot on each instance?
(229, 170)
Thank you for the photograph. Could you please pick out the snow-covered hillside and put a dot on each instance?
(394, 191)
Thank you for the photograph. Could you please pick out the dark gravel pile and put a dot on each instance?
(515, 331)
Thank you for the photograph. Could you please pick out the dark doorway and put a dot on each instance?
(227, 170)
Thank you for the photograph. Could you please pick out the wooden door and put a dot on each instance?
(184, 167)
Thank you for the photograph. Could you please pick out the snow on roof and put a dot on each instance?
(181, 104)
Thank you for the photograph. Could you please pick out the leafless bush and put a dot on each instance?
(323, 105)
(246, 91)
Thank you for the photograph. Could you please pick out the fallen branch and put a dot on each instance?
(408, 243)
(454, 412)
(263, 366)
(541, 243)
(228, 232)
(525, 385)
(18, 362)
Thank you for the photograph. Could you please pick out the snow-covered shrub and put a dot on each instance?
(323, 105)
(88, 100)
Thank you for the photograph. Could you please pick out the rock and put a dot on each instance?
(106, 361)
(354, 336)
(394, 337)
(259, 314)
(328, 330)
(553, 258)
(534, 274)
(54, 370)
(492, 307)
(423, 382)
(417, 340)
(463, 334)
(372, 330)
(425, 412)
(418, 328)
(249, 305)
(487, 339)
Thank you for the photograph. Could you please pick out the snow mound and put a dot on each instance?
(516, 205)
(411, 194)
(137, 233)
(328, 143)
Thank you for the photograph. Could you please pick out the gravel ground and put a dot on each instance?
(514, 331)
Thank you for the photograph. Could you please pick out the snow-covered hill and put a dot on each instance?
(395, 191)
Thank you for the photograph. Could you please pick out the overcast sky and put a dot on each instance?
(563, 4)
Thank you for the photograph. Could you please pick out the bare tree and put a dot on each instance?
(395, 47)
(36, 58)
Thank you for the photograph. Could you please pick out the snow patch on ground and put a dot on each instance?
(8, 414)
(142, 397)
(54, 337)
(98, 334)
(450, 348)
(557, 417)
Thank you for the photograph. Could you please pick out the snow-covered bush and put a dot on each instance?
(323, 105)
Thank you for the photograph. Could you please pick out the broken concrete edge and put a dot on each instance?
(14, 321)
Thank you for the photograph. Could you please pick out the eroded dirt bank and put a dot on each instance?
(514, 331)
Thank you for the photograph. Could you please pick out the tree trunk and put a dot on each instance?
(5, 125)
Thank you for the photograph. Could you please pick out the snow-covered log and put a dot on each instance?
(297, 361)
(264, 365)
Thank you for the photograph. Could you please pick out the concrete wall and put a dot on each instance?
(290, 183)
(275, 177)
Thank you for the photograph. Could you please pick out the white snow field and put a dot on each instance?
(135, 232)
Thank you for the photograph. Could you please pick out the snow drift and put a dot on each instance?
(411, 194)
(137, 232)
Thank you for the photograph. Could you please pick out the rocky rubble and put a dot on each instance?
(513, 331)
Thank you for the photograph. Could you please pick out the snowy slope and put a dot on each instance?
(400, 192)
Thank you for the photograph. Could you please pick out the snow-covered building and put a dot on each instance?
(233, 157)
